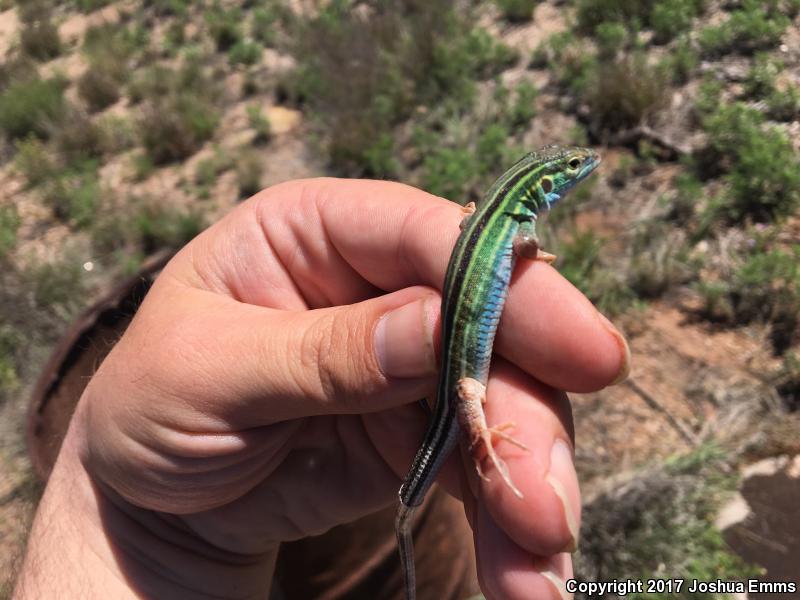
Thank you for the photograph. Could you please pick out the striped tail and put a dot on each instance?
(405, 542)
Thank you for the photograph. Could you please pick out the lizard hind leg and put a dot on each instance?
(472, 396)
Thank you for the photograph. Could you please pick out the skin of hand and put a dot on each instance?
(266, 391)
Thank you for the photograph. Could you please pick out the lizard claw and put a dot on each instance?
(545, 256)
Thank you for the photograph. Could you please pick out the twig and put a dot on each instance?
(643, 132)
(684, 431)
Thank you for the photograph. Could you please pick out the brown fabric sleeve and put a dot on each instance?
(360, 560)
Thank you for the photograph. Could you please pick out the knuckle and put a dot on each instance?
(320, 356)
(335, 357)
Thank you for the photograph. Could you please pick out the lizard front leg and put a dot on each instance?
(472, 396)
(526, 244)
(467, 210)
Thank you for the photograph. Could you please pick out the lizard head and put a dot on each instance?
(562, 168)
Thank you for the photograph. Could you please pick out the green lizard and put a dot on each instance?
(496, 231)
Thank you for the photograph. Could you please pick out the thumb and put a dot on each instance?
(367, 356)
(261, 365)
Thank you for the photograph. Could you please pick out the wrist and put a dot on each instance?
(87, 541)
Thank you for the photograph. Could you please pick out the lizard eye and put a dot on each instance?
(574, 163)
(547, 185)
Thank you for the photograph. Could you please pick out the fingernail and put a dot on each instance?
(557, 583)
(562, 477)
(625, 350)
(549, 570)
(404, 340)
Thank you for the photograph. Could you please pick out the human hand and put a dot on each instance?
(265, 391)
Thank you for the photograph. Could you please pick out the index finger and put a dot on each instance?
(341, 241)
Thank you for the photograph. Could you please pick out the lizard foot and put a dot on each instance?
(467, 210)
(526, 245)
(472, 396)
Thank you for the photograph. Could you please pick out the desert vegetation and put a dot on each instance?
(127, 127)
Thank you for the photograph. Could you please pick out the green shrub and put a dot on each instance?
(249, 168)
(156, 82)
(263, 25)
(784, 105)
(138, 226)
(669, 18)
(767, 286)
(98, 88)
(708, 98)
(109, 50)
(224, 27)
(75, 195)
(684, 205)
(659, 259)
(364, 72)
(625, 92)
(91, 5)
(114, 41)
(763, 171)
(116, 134)
(9, 224)
(33, 161)
(568, 58)
(10, 339)
(462, 153)
(764, 287)
(17, 68)
(78, 138)
(167, 8)
(245, 53)
(31, 11)
(40, 40)
(174, 37)
(517, 11)
(143, 166)
(753, 27)
(760, 81)
(180, 113)
(448, 172)
(161, 226)
(590, 13)
(716, 303)
(610, 38)
(663, 518)
(259, 122)
(681, 62)
(57, 286)
(524, 106)
(761, 84)
(481, 56)
(462, 150)
(177, 126)
(151, 82)
(209, 169)
(579, 261)
(579, 256)
(32, 107)
(493, 150)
